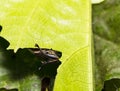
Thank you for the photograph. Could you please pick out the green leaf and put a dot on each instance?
(106, 37)
(96, 1)
(58, 24)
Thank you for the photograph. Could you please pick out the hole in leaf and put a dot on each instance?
(0, 28)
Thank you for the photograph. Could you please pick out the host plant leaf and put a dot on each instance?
(63, 25)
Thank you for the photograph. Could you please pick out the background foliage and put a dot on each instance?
(106, 21)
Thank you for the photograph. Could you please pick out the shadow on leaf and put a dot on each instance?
(112, 85)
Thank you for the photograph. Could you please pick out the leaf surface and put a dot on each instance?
(58, 24)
